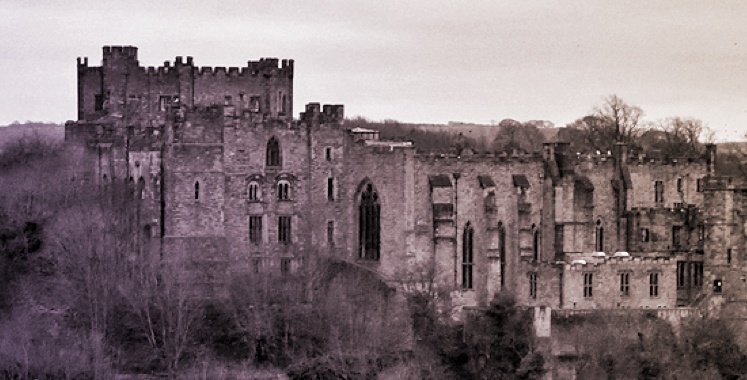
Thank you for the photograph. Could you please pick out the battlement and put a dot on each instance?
(597, 262)
(114, 53)
(487, 157)
(329, 113)
(667, 211)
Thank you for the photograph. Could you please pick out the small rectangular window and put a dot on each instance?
(728, 255)
(331, 233)
(328, 154)
(255, 229)
(285, 266)
(533, 285)
(645, 235)
(330, 189)
(588, 285)
(699, 185)
(717, 286)
(676, 237)
(254, 104)
(284, 229)
(653, 284)
(625, 284)
(679, 185)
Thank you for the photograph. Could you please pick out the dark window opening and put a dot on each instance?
(255, 229)
(330, 189)
(625, 284)
(588, 285)
(717, 286)
(659, 193)
(683, 275)
(645, 235)
(535, 244)
(253, 191)
(676, 237)
(283, 191)
(285, 266)
(502, 252)
(328, 154)
(254, 104)
(467, 256)
(728, 255)
(284, 229)
(533, 285)
(599, 245)
(369, 210)
(331, 233)
(273, 153)
(679, 185)
(197, 190)
(697, 271)
(653, 284)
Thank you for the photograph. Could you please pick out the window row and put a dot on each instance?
(274, 157)
(468, 252)
(284, 229)
(625, 282)
(284, 192)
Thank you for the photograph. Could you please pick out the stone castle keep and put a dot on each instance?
(225, 176)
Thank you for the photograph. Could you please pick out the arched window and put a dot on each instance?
(284, 192)
(141, 188)
(535, 243)
(369, 229)
(468, 256)
(197, 190)
(502, 252)
(273, 153)
(599, 246)
(253, 191)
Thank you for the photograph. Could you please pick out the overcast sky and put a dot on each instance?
(417, 61)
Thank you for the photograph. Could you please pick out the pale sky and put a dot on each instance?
(415, 61)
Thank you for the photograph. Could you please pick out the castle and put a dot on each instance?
(224, 175)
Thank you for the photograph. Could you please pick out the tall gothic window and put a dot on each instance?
(273, 153)
(284, 192)
(659, 193)
(535, 243)
(468, 256)
(253, 191)
(369, 227)
(599, 245)
(502, 252)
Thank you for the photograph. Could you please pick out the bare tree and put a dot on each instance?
(624, 119)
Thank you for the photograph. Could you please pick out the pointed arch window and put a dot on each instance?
(599, 240)
(284, 190)
(468, 256)
(369, 224)
(254, 192)
(502, 252)
(535, 243)
(274, 158)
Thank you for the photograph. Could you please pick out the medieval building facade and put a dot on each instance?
(227, 178)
